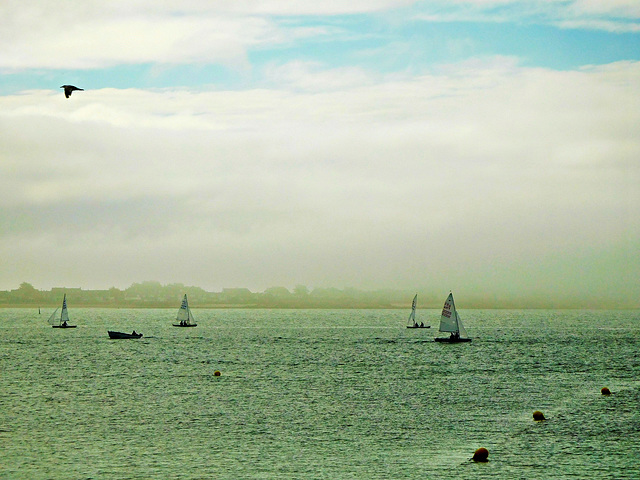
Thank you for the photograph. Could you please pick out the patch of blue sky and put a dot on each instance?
(423, 44)
(376, 43)
(534, 45)
(142, 76)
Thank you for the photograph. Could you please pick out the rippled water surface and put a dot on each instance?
(319, 394)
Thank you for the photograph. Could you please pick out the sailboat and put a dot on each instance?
(63, 320)
(450, 322)
(412, 316)
(184, 317)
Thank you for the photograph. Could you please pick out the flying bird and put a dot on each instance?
(70, 88)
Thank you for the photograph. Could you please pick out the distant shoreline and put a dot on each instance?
(215, 307)
(263, 307)
(150, 295)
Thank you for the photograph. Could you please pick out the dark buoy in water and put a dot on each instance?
(481, 455)
(216, 373)
(605, 391)
(538, 416)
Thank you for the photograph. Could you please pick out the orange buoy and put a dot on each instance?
(538, 416)
(605, 391)
(481, 455)
(217, 373)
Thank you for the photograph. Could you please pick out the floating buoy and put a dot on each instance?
(538, 416)
(605, 391)
(481, 455)
(216, 373)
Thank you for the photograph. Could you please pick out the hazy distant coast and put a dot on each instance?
(155, 295)
(152, 294)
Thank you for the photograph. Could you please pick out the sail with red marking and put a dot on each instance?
(449, 319)
(450, 322)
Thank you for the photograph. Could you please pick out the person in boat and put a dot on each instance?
(134, 333)
(64, 324)
(421, 324)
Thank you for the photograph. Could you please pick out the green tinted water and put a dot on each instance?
(316, 394)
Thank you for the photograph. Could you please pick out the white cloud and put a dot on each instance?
(96, 34)
(616, 16)
(313, 76)
(604, 25)
(486, 161)
(46, 34)
(615, 8)
(99, 43)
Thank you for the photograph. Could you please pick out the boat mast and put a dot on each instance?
(453, 304)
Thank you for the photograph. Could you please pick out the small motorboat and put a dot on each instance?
(124, 335)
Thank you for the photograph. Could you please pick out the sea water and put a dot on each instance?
(319, 394)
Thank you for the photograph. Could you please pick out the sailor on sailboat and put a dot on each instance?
(412, 316)
(63, 321)
(450, 322)
(184, 317)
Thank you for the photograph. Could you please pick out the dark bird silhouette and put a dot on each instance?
(70, 88)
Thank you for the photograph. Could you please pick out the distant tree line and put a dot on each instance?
(155, 295)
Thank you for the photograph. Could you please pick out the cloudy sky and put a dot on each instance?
(490, 147)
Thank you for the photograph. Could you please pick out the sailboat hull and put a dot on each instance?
(452, 340)
(418, 326)
(190, 325)
(63, 326)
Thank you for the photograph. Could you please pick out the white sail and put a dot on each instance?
(412, 315)
(449, 318)
(61, 321)
(53, 319)
(463, 332)
(184, 313)
(64, 315)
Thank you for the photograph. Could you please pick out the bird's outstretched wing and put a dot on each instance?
(68, 89)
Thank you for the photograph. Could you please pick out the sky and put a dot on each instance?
(488, 147)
